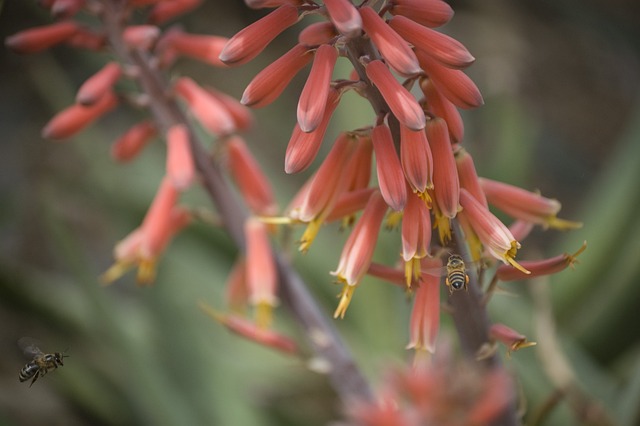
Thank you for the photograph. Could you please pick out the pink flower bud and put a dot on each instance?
(469, 177)
(441, 107)
(345, 17)
(509, 337)
(416, 159)
(400, 101)
(425, 315)
(166, 10)
(140, 36)
(241, 115)
(41, 38)
(448, 51)
(445, 175)
(96, 86)
(205, 48)
(393, 48)
(250, 41)
(66, 8)
(261, 269)
(71, 120)
(129, 145)
(86, 39)
(313, 99)
(263, 4)
(210, 112)
(431, 13)
(271, 81)
(180, 166)
(317, 34)
(390, 176)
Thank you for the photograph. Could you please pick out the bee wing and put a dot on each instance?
(439, 271)
(29, 346)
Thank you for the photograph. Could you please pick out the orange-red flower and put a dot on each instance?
(166, 10)
(446, 50)
(250, 41)
(468, 176)
(251, 180)
(400, 101)
(540, 267)
(390, 176)
(41, 38)
(66, 8)
(71, 120)
(271, 81)
(393, 48)
(431, 13)
(442, 107)
(262, 277)
(509, 337)
(416, 159)
(211, 113)
(98, 84)
(140, 36)
(205, 48)
(313, 99)
(317, 33)
(425, 316)
(416, 236)
(345, 17)
(133, 141)
(445, 175)
(358, 251)
(180, 166)
(241, 115)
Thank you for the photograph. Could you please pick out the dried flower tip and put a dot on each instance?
(129, 145)
(510, 338)
(453, 84)
(71, 120)
(313, 99)
(446, 50)
(252, 332)
(96, 86)
(303, 147)
(41, 38)
(180, 166)
(431, 13)
(166, 10)
(540, 267)
(64, 9)
(400, 101)
(317, 33)
(393, 48)
(271, 81)
(211, 113)
(249, 42)
(390, 176)
(345, 17)
(251, 180)
(140, 36)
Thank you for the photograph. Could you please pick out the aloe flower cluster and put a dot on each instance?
(408, 168)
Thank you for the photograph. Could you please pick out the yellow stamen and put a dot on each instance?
(561, 224)
(572, 258)
(309, 234)
(424, 196)
(263, 312)
(443, 224)
(412, 270)
(276, 220)
(393, 220)
(345, 298)
(114, 272)
(146, 272)
(510, 254)
(218, 316)
(520, 344)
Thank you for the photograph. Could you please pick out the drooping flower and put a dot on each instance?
(166, 10)
(538, 268)
(211, 113)
(358, 251)
(317, 33)
(445, 175)
(180, 167)
(98, 84)
(41, 38)
(442, 107)
(345, 17)
(129, 145)
(416, 236)
(509, 337)
(425, 315)
(71, 120)
(313, 99)
(205, 48)
(262, 277)
(390, 176)
(140, 36)
(416, 159)
(431, 13)
(468, 176)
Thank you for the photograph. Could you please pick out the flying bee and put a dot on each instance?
(40, 363)
(455, 272)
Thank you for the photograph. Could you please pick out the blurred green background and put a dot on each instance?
(561, 86)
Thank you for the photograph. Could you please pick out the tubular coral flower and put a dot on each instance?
(85, 39)
(494, 235)
(345, 17)
(140, 36)
(133, 141)
(441, 107)
(521, 229)
(317, 34)
(205, 48)
(425, 316)
(210, 112)
(249, 42)
(313, 99)
(145, 244)
(525, 205)
(271, 81)
(445, 175)
(453, 84)
(509, 337)
(443, 48)
(416, 236)
(359, 168)
(96, 86)
(180, 167)
(468, 177)
(71, 120)
(392, 275)
(358, 251)
(348, 203)
(241, 115)
(416, 159)
(166, 10)
(261, 271)
(303, 147)
(400, 101)
(393, 48)
(253, 183)
(41, 38)
(250, 331)
(540, 267)
(432, 13)
(390, 175)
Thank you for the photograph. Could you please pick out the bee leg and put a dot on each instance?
(35, 378)
(466, 282)
(446, 281)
